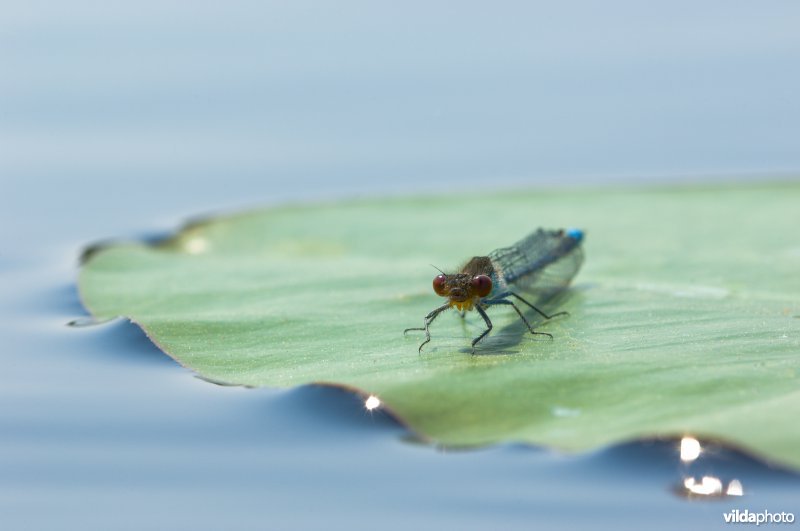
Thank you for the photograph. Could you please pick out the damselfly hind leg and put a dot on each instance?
(505, 302)
(540, 312)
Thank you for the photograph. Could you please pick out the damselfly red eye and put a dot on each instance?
(439, 284)
(482, 285)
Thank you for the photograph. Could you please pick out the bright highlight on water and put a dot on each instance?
(372, 402)
(542, 263)
(690, 449)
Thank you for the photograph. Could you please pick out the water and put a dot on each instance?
(123, 120)
(100, 430)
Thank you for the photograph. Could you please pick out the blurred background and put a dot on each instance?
(118, 119)
(179, 106)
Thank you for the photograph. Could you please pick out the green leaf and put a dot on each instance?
(683, 320)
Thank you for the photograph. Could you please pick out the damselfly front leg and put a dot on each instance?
(428, 320)
(485, 332)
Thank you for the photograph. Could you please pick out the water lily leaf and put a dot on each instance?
(684, 318)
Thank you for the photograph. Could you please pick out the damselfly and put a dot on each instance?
(542, 263)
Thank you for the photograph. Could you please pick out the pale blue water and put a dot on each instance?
(123, 119)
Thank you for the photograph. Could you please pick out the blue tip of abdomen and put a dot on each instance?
(575, 234)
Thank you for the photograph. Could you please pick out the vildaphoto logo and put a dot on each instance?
(764, 517)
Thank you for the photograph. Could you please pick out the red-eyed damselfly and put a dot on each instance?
(542, 263)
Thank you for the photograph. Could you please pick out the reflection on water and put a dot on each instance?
(735, 488)
(710, 487)
(707, 486)
(372, 402)
(690, 449)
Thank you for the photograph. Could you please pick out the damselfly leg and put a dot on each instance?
(428, 320)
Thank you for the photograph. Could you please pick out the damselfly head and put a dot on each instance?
(462, 289)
